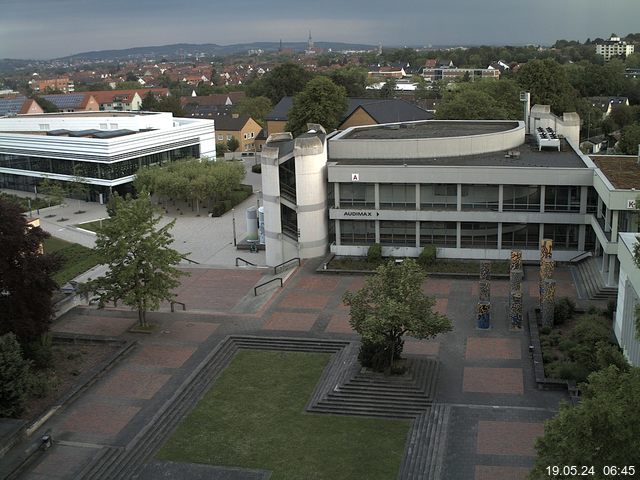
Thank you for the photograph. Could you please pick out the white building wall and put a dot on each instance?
(274, 246)
(628, 295)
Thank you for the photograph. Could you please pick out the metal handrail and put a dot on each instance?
(173, 302)
(578, 257)
(245, 261)
(184, 257)
(255, 289)
(275, 269)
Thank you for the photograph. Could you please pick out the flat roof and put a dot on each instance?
(529, 156)
(102, 113)
(429, 129)
(622, 171)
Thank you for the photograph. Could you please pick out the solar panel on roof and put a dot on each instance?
(11, 105)
(72, 100)
(113, 133)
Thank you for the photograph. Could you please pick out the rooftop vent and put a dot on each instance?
(547, 137)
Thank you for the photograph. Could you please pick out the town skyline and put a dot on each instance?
(73, 27)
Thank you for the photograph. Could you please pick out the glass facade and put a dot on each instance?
(479, 235)
(99, 170)
(287, 173)
(440, 234)
(524, 236)
(521, 198)
(439, 197)
(565, 237)
(289, 222)
(480, 197)
(400, 196)
(357, 195)
(353, 232)
(398, 233)
(561, 199)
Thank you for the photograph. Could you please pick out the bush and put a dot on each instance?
(572, 371)
(257, 168)
(374, 254)
(41, 383)
(40, 351)
(14, 377)
(427, 256)
(564, 310)
(217, 209)
(609, 354)
(545, 330)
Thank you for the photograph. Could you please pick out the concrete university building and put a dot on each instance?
(104, 148)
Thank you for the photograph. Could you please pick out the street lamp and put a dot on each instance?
(233, 219)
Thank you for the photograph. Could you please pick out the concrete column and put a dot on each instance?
(377, 231)
(336, 195)
(582, 233)
(605, 263)
(417, 234)
(376, 190)
(500, 230)
(607, 221)
(611, 277)
(417, 196)
(458, 235)
(543, 194)
(459, 197)
(541, 234)
(500, 202)
(599, 211)
(584, 192)
(614, 225)
(337, 225)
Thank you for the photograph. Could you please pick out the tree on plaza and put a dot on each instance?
(14, 375)
(254, 107)
(602, 430)
(26, 285)
(233, 144)
(141, 265)
(53, 190)
(390, 305)
(630, 139)
(78, 186)
(285, 80)
(321, 101)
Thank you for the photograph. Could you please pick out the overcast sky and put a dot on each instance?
(54, 28)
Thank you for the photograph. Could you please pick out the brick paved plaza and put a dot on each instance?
(485, 376)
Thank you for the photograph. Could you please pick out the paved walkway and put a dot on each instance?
(485, 376)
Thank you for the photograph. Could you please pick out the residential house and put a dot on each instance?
(74, 102)
(244, 128)
(607, 104)
(63, 84)
(614, 47)
(18, 105)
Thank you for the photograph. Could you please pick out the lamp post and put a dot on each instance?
(233, 219)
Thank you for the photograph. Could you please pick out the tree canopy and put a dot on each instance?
(390, 305)
(602, 430)
(141, 265)
(321, 101)
(285, 80)
(482, 100)
(26, 286)
(353, 79)
(548, 84)
(254, 107)
(630, 139)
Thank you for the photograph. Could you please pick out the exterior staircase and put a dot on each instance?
(589, 275)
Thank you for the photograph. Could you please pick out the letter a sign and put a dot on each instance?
(355, 177)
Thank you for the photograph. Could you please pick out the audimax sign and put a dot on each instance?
(360, 213)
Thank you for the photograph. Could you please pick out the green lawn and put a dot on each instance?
(92, 226)
(77, 259)
(253, 417)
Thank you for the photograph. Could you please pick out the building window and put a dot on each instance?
(357, 195)
(480, 197)
(398, 233)
(253, 134)
(565, 237)
(440, 234)
(113, 126)
(354, 232)
(439, 197)
(479, 235)
(521, 198)
(44, 126)
(103, 126)
(520, 235)
(400, 196)
(592, 200)
(562, 199)
(289, 222)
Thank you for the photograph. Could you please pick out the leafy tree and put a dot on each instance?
(623, 115)
(221, 149)
(353, 79)
(53, 190)
(78, 186)
(142, 266)
(389, 88)
(233, 144)
(390, 305)
(150, 103)
(633, 60)
(287, 79)
(482, 100)
(14, 376)
(254, 107)
(321, 101)
(46, 105)
(171, 104)
(630, 139)
(26, 285)
(548, 83)
(603, 429)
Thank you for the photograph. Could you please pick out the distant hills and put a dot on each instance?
(179, 50)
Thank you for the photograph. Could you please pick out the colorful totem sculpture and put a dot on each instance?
(516, 275)
(484, 303)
